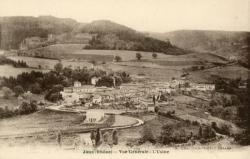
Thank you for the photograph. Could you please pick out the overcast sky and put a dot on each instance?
(142, 15)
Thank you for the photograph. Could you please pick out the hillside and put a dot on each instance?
(222, 43)
(113, 36)
(101, 34)
(13, 30)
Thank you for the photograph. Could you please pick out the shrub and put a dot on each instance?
(154, 55)
(166, 134)
(36, 88)
(18, 90)
(147, 135)
(7, 93)
(118, 58)
(138, 56)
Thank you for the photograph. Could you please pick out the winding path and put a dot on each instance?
(121, 121)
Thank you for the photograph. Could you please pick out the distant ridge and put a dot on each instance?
(222, 43)
(105, 34)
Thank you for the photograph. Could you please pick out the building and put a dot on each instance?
(232, 58)
(94, 116)
(202, 87)
(70, 97)
(30, 43)
(94, 80)
(151, 108)
(79, 88)
(97, 99)
(176, 83)
(77, 92)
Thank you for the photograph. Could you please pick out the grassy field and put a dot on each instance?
(230, 72)
(151, 73)
(8, 70)
(42, 121)
(164, 67)
(155, 125)
(13, 102)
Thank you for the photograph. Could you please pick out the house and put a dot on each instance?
(80, 89)
(30, 43)
(70, 97)
(77, 84)
(94, 80)
(97, 99)
(232, 58)
(176, 83)
(202, 87)
(151, 108)
(94, 116)
(164, 89)
(77, 92)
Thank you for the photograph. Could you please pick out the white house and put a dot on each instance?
(232, 58)
(77, 84)
(94, 116)
(94, 80)
(97, 99)
(202, 87)
(175, 83)
(70, 97)
(150, 108)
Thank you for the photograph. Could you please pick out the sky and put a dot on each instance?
(142, 15)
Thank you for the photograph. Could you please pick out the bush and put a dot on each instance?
(6, 112)
(118, 58)
(138, 56)
(154, 55)
(243, 138)
(27, 108)
(147, 135)
(166, 135)
(36, 88)
(18, 90)
(7, 93)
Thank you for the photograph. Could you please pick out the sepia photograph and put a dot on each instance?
(124, 78)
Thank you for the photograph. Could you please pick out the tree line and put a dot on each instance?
(17, 64)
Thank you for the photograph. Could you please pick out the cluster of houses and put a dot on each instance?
(140, 94)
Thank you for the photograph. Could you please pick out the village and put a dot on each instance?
(143, 97)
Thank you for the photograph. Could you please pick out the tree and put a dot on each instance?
(25, 108)
(118, 58)
(7, 93)
(154, 55)
(18, 90)
(200, 134)
(36, 88)
(147, 135)
(58, 67)
(54, 94)
(166, 134)
(105, 81)
(93, 62)
(138, 56)
(124, 76)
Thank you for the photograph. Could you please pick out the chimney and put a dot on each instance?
(114, 81)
